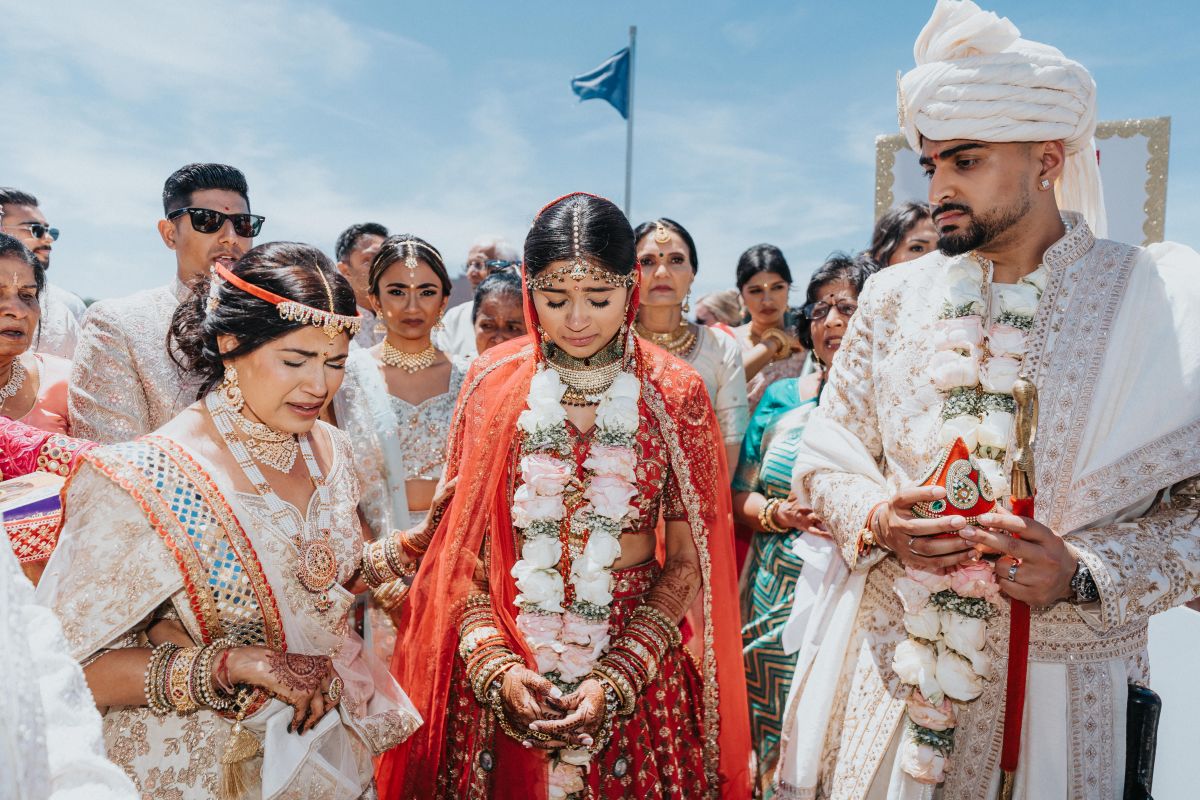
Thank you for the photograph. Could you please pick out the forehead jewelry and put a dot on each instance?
(410, 259)
(579, 268)
(661, 234)
(330, 322)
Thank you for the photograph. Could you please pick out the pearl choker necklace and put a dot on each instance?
(409, 362)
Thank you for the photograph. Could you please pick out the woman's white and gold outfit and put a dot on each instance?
(153, 530)
(394, 442)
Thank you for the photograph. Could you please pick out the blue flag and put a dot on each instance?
(609, 81)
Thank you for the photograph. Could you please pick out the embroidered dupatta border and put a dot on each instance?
(691, 501)
(168, 526)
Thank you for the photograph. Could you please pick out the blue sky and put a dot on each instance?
(754, 122)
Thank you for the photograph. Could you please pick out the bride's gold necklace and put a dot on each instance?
(678, 342)
(586, 379)
(409, 362)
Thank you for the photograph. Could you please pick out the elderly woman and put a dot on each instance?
(33, 386)
(497, 313)
(668, 262)
(769, 350)
(762, 500)
(902, 234)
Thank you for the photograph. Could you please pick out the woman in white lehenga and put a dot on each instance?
(209, 611)
(396, 404)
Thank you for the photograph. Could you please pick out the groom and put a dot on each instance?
(1109, 334)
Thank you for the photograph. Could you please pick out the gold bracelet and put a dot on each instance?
(779, 337)
(766, 516)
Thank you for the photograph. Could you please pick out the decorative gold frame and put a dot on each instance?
(1157, 131)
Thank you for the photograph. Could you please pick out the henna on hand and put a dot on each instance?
(298, 673)
(676, 588)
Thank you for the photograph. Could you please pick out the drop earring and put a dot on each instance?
(230, 391)
(380, 329)
(687, 306)
(439, 325)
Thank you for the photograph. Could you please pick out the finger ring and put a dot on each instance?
(334, 692)
(911, 539)
(1012, 571)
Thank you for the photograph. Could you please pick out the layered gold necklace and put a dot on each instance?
(276, 449)
(409, 362)
(677, 342)
(586, 379)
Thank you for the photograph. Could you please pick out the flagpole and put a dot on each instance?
(629, 120)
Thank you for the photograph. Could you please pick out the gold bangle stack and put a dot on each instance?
(482, 647)
(633, 659)
(381, 561)
(780, 338)
(180, 679)
(766, 516)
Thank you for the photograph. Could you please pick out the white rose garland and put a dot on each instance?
(567, 641)
(974, 366)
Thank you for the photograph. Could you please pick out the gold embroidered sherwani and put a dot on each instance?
(123, 382)
(1115, 353)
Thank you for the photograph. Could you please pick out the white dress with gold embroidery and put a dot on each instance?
(114, 573)
(1115, 354)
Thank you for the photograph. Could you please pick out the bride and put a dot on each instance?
(541, 634)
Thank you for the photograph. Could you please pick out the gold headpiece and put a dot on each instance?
(330, 323)
(579, 268)
(410, 258)
(661, 234)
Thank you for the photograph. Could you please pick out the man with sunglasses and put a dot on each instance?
(486, 256)
(62, 311)
(124, 382)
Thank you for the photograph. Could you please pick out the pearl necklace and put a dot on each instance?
(318, 561)
(15, 381)
(409, 362)
(276, 449)
(678, 342)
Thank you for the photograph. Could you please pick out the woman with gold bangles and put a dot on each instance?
(770, 350)
(667, 258)
(204, 572)
(397, 401)
(542, 633)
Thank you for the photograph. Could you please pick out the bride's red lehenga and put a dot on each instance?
(689, 733)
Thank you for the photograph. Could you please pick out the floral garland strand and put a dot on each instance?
(946, 612)
(569, 633)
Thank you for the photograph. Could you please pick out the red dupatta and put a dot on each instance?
(483, 436)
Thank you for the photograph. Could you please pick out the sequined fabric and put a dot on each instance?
(123, 382)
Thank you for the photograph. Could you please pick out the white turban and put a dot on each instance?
(976, 78)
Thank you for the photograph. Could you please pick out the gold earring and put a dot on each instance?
(687, 306)
(439, 325)
(380, 329)
(231, 391)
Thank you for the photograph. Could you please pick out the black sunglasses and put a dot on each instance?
(38, 230)
(206, 220)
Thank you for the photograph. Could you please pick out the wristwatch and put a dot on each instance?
(1083, 587)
